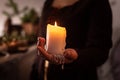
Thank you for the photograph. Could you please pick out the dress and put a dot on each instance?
(89, 30)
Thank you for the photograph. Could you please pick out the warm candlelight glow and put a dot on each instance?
(55, 23)
(55, 39)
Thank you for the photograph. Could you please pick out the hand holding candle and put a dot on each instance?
(69, 54)
(55, 51)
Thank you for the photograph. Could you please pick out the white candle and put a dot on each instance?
(55, 39)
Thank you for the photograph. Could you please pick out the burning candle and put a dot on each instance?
(55, 39)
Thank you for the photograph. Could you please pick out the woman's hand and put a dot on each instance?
(68, 56)
(40, 46)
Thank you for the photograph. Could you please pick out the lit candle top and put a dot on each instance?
(55, 39)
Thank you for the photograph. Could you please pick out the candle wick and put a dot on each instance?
(55, 23)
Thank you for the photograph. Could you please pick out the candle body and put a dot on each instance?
(55, 39)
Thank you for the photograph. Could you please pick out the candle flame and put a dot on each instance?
(55, 23)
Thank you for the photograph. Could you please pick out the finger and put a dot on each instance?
(41, 41)
(44, 53)
(71, 54)
(67, 54)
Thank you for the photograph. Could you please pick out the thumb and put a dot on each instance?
(41, 41)
(44, 52)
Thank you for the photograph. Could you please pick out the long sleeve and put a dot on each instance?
(98, 41)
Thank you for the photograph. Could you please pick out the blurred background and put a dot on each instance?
(19, 24)
(35, 4)
(18, 29)
(18, 35)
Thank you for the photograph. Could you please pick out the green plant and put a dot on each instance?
(29, 15)
(15, 8)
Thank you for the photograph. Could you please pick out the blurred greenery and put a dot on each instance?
(15, 8)
(14, 40)
(29, 15)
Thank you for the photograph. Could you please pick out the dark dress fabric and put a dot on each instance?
(115, 60)
(89, 29)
